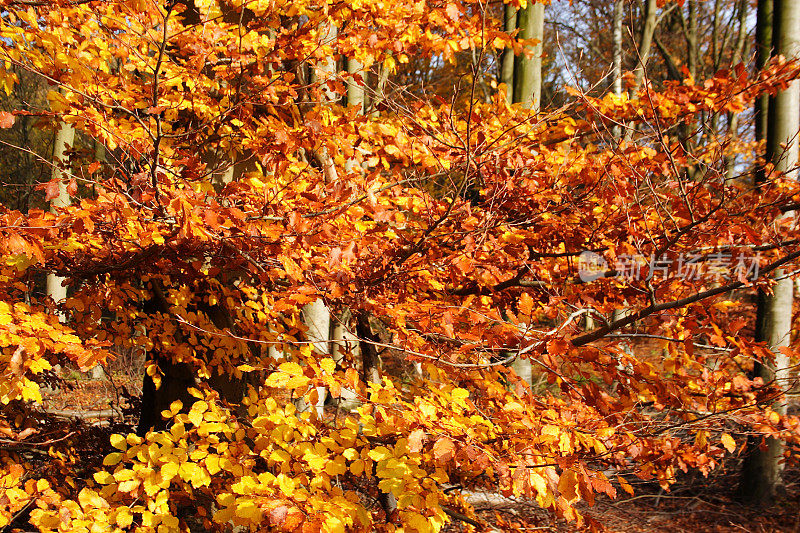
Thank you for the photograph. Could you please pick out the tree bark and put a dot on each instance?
(645, 42)
(762, 469)
(65, 138)
(356, 95)
(507, 64)
(528, 71)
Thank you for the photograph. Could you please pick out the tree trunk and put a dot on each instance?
(528, 91)
(65, 137)
(645, 42)
(345, 341)
(761, 473)
(528, 71)
(316, 315)
(618, 12)
(355, 91)
(507, 64)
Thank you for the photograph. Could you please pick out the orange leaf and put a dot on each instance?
(6, 119)
(415, 440)
(444, 450)
(625, 485)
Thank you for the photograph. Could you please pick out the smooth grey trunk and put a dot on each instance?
(691, 39)
(65, 138)
(344, 341)
(761, 473)
(763, 52)
(617, 83)
(645, 42)
(528, 71)
(507, 64)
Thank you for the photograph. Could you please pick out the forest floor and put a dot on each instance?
(694, 504)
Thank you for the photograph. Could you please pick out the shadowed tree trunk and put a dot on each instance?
(507, 63)
(762, 469)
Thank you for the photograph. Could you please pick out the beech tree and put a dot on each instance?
(460, 234)
(764, 464)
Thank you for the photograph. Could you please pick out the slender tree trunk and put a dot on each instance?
(528, 91)
(528, 71)
(617, 72)
(645, 42)
(763, 54)
(345, 341)
(317, 318)
(618, 14)
(356, 95)
(65, 138)
(316, 315)
(507, 64)
(691, 39)
(738, 57)
(762, 469)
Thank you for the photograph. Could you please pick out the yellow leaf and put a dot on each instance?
(728, 442)
(417, 522)
(380, 453)
(248, 510)
(124, 517)
(357, 467)
(112, 459)
(118, 441)
(328, 365)
(103, 477)
(212, 464)
(169, 470)
(291, 368)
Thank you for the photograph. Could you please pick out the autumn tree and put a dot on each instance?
(368, 213)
